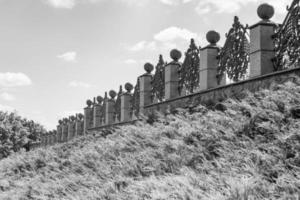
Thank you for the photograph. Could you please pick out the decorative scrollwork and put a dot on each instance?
(136, 99)
(158, 81)
(287, 39)
(189, 71)
(118, 104)
(233, 58)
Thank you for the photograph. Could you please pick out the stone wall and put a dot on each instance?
(218, 94)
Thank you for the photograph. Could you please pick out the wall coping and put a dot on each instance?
(113, 125)
(225, 86)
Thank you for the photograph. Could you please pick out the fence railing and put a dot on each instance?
(248, 52)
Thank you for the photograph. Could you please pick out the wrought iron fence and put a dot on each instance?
(136, 99)
(287, 39)
(189, 71)
(158, 81)
(233, 58)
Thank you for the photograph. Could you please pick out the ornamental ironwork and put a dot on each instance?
(287, 39)
(136, 99)
(189, 70)
(158, 81)
(118, 104)
(233, 58)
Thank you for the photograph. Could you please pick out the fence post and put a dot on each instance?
(110, 108)
(145, 87)
(45, 140)
(261, 42)
(209, 62)
(65, 130)
(79, 125)
(172, 76)
(97, 112)
(126, 103)
(49, 140)
(88, 116)
(59, 131)
(54, 137)
(71, 128)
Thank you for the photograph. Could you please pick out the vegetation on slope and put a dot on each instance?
(243, 148)
(17, 133)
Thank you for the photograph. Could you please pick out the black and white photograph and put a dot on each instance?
(149, 99)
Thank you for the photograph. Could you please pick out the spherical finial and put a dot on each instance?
(128, 87)
(112, 94)
(99, 99)
(60, 122)
(89, 103)
(213, 37)
(148, 67)
(72, 118)
(265, 11)
(80, 116)
(175, 55)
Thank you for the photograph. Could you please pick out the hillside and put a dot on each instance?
(243, 148)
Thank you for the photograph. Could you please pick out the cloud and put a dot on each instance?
(142, 45)
(67, 4)
(7, 97)
(10, 79)
(174, 33)
(68, 56)
(234, 6)
(79, 84)
(169, 38)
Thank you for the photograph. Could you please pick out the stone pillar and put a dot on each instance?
(146, 87)
(43, 140)
(261, 42)
(71, 128)
(65, 131)
(110, 108)
(54, 137)
(49, 139)
(126, 103)
(88, 116)
(209, 62)
(97, 112)
(79, 125)
(59, 131)
(171, 76)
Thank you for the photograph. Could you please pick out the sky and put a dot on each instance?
(56, 54)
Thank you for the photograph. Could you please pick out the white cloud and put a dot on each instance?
(7, 97)
(174, 33)
(10, 79)
(68, 56)
(142, 45)
(167, 39)
(67, 4)
(234, 6)
(79, 84)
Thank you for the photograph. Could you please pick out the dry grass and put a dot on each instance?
(249, 151)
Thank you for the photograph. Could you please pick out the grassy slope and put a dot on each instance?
(249, 151)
